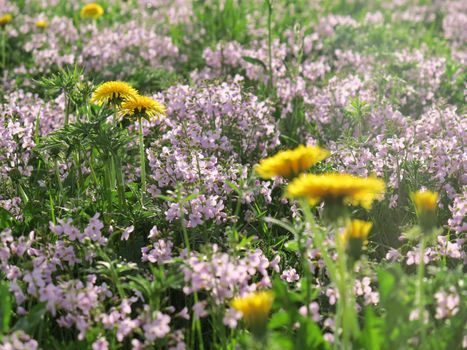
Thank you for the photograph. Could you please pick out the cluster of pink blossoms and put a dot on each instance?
(129, 42)
(210, 135)
(18, 128)
(225, 276)
(79, 303)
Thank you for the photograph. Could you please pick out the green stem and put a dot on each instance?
(108, 184)
(67, 110)
(306, 271)
(93, 172)
(347, 316)
(335, 272)
(57, 175)
(4, 49)
(419, 297)
(196, 322)
(345, 290)
(342, 279)
(319, 239)
(269, 3)
(52, 209)
(120, 180)
(142, 159)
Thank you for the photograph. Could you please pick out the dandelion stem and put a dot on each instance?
(334, 273)
(306, 270)
(108, 183)
(419, 299)
(4, 50)
(142, 159)
(120, 180)
(346, 317)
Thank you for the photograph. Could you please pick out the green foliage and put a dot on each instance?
(222, 21)
(5, 308)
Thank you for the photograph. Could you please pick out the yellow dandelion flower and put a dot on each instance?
(5, 19)
(113, 92)
(336, 188)
(255, 309)
(92, 11)
(141, 107)
(425, 201)
(354, 238)
(290, 163)
(425, 205)
(358, 230)
(41, 24)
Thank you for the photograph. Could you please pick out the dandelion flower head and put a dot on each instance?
(92, 11)
(141, 107)
(41, 23)
(291, 163)
(424, 201)
(357, 229)
(254, 307)
(340, 188)
(113, 92)
(5, 19)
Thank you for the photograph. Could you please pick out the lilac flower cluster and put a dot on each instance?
(79, 303)
(458, 222)
(18, 341)
(434, 143)
(8, 6)
(174, 12)
(20, 117)
(454, 23)
(224, 276)
(98, 50)
(453, 249)
(209, 134)
(55, 46)
(447, 303)
(129, 42)
(76, 298)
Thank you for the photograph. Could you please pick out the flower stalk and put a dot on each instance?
(142, 159)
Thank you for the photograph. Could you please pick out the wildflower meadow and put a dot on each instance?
(233, 174)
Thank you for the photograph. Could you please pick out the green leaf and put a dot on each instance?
(386, 281)
(372, 336)
(233, 187)
(280, 342)
(292, 245)
(6, 219)
(255, 61)
(29, 322)
(5, 308)
(309, 335)
(279, 319)
(282, 223)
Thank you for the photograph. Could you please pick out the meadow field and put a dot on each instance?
(233, 174)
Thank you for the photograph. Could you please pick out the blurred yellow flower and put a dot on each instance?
(357, 229)
(41, 24)
(255, 309)
(425, 201)
(113, 92)
(333, 187)
(141, 107)
(5, 19)
(92, 11)
(290, 163)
